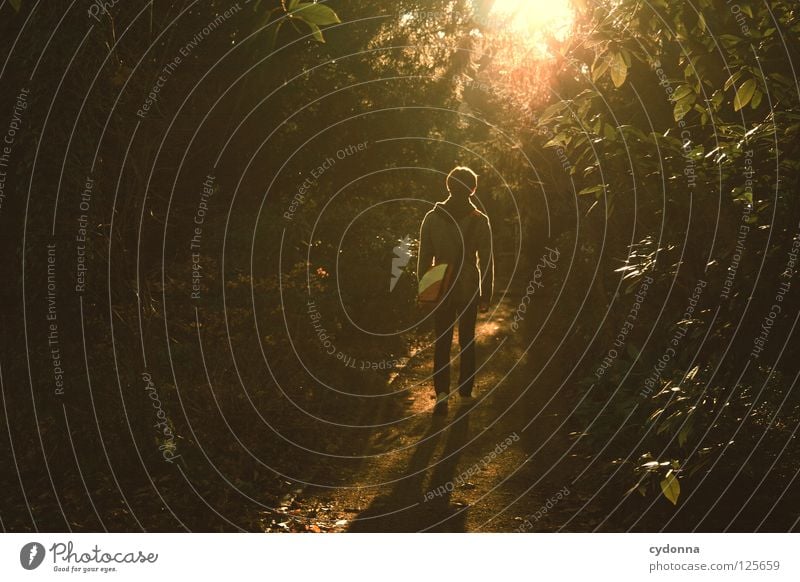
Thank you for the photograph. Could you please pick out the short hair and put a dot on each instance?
(464, 176)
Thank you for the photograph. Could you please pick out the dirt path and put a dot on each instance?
(487, 466)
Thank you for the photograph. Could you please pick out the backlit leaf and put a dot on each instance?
(314, 13)
(681, 92)
(599, 69)
(619, 70)
(756, 100)
(591, 190)
(683, 107)
(671, 488)
(744, 94)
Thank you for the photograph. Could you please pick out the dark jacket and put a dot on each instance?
(440, 241)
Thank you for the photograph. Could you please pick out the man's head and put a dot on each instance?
(462, 182)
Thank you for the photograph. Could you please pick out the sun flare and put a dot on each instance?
(533, 22)
(525, 41)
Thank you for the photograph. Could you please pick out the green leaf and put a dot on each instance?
(756, 100)
(599, 68)
(732, 79)
(626, 56)
(682, 92)
(717, 98)
(592, 190)
(313, 13)
(683, 107)
(744, 94)
(552, 110)
(559, 140)
(670, 487)
(15, 4)
(619, 70)
(745, 196)
(316, 32)
(729, 40)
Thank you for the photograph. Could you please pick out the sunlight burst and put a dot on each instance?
(533, 22)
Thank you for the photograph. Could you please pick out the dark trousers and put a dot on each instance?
(450, 311)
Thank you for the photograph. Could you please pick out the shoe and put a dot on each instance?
(441, 404)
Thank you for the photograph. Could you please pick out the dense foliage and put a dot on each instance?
(656, 147)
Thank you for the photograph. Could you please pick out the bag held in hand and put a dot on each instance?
(434, 285)
(436, 282)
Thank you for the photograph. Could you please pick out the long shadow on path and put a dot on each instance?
(405, 508)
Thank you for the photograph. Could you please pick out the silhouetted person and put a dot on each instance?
(457, 234)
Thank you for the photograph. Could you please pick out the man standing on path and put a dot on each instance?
(457, 234)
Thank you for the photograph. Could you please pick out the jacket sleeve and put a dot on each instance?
(486, 258)
(426, 251)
